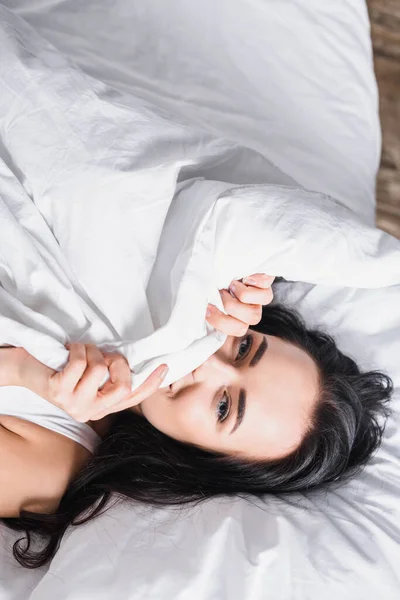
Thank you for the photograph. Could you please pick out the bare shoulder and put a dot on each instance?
(36, 467)
(42, 435)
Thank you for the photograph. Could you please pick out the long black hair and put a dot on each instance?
(138, 462)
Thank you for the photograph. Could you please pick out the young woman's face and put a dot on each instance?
(277, 381)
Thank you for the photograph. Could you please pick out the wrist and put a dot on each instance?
(11, 360)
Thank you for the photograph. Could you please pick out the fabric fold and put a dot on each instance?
(118, 225)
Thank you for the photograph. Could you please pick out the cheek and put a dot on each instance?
(183, 418)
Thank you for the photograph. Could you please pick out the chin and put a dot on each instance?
(137, 409)
(153, 406)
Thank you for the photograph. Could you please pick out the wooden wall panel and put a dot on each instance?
(385, 30)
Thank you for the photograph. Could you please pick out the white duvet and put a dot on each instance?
(100, 243)
(121, 219)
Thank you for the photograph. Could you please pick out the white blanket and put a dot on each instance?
(294, 81)
(113, 234)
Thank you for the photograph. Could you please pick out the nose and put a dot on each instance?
(216, 368)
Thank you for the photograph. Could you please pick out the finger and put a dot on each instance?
(146, 389)
(261, 280)
(94, 374)
(75, 367)
(119, 385)
(247, 313)
(251, 295)
(226, 323)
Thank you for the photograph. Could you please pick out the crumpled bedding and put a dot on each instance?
(113, 235)
(294, 81)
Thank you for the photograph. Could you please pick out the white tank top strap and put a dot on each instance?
(20, 402)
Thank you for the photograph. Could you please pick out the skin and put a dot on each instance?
(281, 389)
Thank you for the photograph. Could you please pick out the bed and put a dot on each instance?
(293, 81)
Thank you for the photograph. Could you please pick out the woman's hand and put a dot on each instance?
(245, 308)
(75, 389)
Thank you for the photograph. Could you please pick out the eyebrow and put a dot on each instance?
(258, 354)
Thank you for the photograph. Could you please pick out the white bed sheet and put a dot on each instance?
(82, 163)
(259, 80)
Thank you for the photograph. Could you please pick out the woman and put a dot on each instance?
(277, 410)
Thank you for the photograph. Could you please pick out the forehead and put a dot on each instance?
(281, 394)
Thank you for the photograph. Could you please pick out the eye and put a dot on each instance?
(244, 346)
(223, 404)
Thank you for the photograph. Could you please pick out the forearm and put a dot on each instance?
(19, 368)
(10, 362)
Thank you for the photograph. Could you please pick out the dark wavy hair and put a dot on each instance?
(138, 462)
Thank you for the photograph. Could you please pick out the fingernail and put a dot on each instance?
(249, 281)
(209, 310)
(164, 372)
(232, 288)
